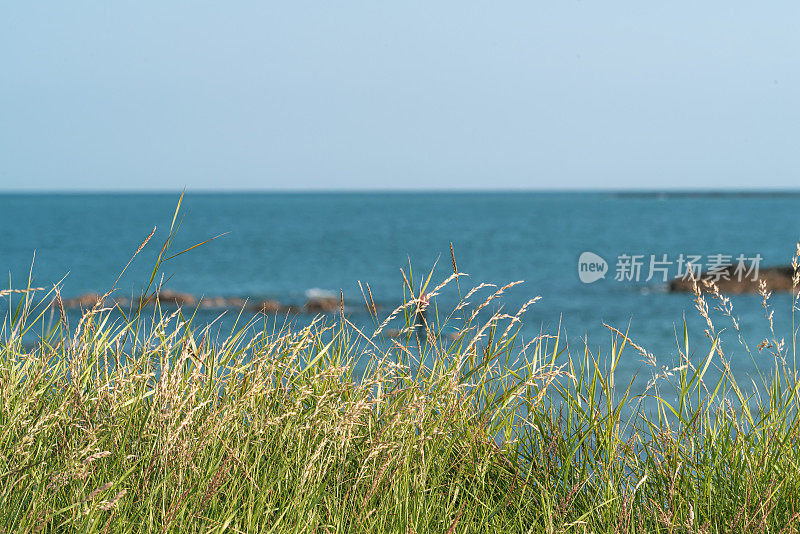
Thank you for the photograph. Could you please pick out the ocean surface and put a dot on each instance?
(290, 246)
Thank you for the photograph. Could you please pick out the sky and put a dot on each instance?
(398, 95)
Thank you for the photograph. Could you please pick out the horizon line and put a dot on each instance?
(631, 193)
(646, 191)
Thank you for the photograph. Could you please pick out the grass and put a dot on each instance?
(131, 421)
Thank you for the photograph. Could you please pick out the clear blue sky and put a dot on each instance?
(399, 95)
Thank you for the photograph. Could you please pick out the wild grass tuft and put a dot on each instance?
(133, 422)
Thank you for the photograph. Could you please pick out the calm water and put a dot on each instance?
(284, 245)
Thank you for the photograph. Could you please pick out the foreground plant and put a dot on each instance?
(126, 422)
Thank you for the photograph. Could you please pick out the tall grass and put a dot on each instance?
(134, 421)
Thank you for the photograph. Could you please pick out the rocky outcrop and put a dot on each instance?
(776, 278)
(87, 300)
(222, 302)
(168, 297)
(268, 306)
(322, 305)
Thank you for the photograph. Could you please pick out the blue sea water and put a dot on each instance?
(284, 246)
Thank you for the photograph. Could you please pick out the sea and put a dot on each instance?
(597, 260)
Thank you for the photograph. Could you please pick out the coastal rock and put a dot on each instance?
(222, 302)
(175, 297)
(86, 300)
(268, 306)
(168, 297)
(322, 305)
(171, 298)
(776, 278)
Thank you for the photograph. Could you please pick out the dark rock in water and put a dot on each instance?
(222, 302)
(267, 306)
(176, 297)
(171, 298)
(322, 305)
(315, 305)
(730, 282)
(87, 300)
